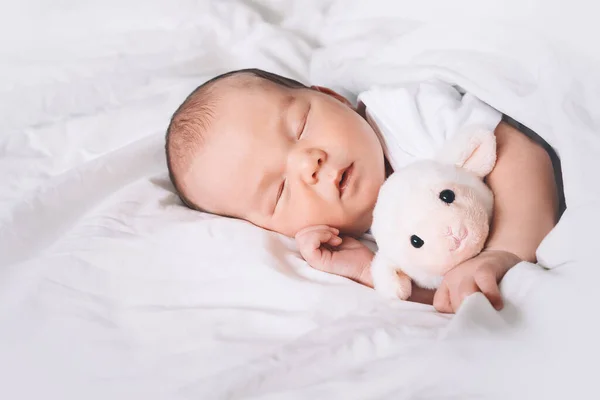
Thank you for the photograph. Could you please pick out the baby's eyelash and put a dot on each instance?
(303, 125)
(280, 192)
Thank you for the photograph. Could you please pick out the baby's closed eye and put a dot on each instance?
(302, 125)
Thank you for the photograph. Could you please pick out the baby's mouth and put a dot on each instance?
(345, 179)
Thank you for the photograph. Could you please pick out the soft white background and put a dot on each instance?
(110, 289)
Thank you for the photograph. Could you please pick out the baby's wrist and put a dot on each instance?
(365, 277)
(507, 254)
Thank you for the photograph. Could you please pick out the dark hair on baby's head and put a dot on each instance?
(193, 117)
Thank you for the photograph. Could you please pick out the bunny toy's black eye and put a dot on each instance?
(416, 241)
(447, 196)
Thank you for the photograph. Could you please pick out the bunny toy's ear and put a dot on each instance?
(473, 149)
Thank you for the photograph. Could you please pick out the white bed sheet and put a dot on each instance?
(109, 288)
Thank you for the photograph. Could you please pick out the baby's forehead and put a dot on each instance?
(244, 84)
(247, 106)
(234, 147)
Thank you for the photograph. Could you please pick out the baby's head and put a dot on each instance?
(254, 145)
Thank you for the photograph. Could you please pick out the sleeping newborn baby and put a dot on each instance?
(302, 161)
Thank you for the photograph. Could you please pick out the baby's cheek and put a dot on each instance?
(303, 212)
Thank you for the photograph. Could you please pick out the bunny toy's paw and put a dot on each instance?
(403, 285)
(389, 281)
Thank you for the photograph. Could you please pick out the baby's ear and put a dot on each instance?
(473, 149)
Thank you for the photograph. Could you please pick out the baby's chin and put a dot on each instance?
(358, 226)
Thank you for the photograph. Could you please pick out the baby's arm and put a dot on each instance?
(525, 210)
(526, 197)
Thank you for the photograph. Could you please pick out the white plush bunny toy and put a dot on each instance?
(433, 214)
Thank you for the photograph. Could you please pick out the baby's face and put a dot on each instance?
(285, 159)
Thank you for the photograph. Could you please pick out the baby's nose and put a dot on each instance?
(311, 163)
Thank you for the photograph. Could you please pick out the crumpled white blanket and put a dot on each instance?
(109, 288)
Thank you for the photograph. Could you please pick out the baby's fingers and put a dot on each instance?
(325, 237)
(308, 231)
(313, 240)
(466, 288)
(488, 285)
(441, 299)
(310, 246)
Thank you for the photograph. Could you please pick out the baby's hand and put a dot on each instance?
(479, 274)
(323, 249)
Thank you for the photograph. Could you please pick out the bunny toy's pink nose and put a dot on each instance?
(456, 239)
(455, 243)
